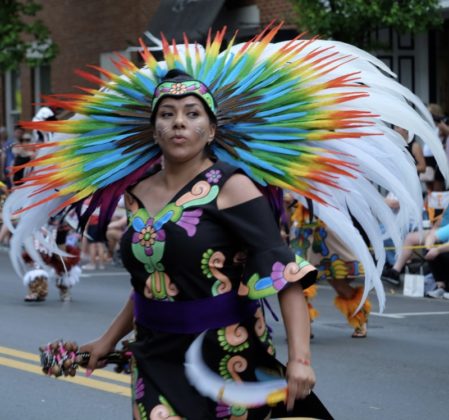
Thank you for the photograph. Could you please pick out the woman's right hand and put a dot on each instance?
(97, 349)
(120, 327)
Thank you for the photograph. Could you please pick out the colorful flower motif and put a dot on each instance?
(146, 234)
(178, 89)
(277, 275)
(189, 221)
(213, 176)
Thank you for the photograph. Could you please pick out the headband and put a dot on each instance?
(184, 88)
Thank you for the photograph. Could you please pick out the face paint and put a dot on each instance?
(182, 128)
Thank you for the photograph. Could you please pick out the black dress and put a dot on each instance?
(192, 250)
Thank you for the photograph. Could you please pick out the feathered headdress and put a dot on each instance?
(309, 116)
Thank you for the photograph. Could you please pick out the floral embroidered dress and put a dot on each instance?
(192, 250)
(313, 240)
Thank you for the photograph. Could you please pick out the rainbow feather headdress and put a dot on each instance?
(309, 116)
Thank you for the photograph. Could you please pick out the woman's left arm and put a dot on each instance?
(272, 268)
(300, 375)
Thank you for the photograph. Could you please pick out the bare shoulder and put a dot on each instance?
(237, 190)
(139, 192)
(145, 185)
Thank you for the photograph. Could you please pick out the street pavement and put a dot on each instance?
(400, 372)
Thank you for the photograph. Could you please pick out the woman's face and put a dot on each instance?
(182, 128)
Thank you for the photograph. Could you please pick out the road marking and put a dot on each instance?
(406, 314)
(89, 382)
(9, 361)
(103, 273)
(101, 373)
(19, 354)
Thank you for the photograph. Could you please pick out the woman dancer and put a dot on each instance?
(202, 239)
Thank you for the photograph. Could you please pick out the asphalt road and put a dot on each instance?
(401, 371)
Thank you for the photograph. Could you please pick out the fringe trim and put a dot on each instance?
(33, 275)
(313, 313)
(310, 293)
(37, 283)
(69, 278)
(348, 306)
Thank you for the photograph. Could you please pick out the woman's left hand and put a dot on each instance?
(300, 379)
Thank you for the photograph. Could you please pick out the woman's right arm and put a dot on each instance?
(119, 328)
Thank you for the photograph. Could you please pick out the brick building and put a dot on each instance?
(88, 32)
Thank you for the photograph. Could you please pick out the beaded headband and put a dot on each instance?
(184, 88)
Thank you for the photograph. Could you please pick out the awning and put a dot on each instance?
(193, 17)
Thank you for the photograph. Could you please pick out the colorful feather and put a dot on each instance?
(308, 116)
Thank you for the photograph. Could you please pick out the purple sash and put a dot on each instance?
(192, 316)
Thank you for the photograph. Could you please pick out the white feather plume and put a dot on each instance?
(381, 159)
(212, 385)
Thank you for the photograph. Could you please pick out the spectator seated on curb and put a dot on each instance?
(438, 258)
(427, 238)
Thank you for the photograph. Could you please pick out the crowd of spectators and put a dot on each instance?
(431, 247)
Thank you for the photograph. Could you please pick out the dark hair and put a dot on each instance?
(439, 118)
(176, 75)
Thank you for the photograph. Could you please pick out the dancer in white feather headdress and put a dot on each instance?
(308, 116)
(60, 263)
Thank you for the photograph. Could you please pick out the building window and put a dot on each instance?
(13, 98)
(42, 84)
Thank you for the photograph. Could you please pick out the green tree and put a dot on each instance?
(23, 38)
(354, 21)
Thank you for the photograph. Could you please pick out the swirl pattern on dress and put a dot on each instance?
(223, 283)
(236, 364)
(199, 190)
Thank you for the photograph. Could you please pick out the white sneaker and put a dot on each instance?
(446, 295)
(89, 266)
(437, 293)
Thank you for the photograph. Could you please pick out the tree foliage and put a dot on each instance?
(23, 38)
(354, 21)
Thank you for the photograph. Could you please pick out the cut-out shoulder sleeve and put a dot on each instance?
(270, 264)
(237, 189)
